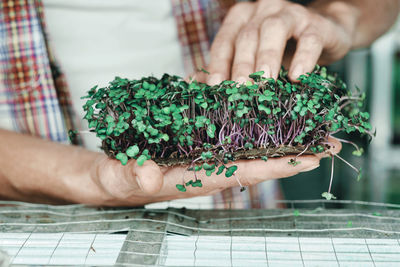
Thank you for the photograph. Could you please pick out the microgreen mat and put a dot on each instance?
(172, 121)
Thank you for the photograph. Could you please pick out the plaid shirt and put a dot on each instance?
(34, 96)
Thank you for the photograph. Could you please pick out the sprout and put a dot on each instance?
(175, 122)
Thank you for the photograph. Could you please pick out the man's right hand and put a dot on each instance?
(35, 170)
(132, 185)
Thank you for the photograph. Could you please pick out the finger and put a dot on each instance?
(222, 49)
(249, 172)
(180, 175)
(308, 51)
(198, 76)
(255, 171)
(274, 33)
(245, 51)
(148, 177)
(114, 179)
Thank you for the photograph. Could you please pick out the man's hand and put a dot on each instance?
(269, 33)
(35, 170)
(136, 185)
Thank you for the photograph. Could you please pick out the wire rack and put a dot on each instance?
(305, 233)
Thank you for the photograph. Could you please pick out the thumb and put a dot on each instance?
(148, 176)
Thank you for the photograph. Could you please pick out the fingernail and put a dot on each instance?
(297, 71)
(267, 71)
(241, 80)
(312, 167)
(139, 183)
(214, 79)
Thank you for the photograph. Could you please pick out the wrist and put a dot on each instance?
(79, 179)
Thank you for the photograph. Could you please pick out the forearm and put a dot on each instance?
(35, 170)
(366, 20)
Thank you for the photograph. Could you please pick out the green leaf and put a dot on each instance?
(109, 119)
(126, 115)
(122, 157)
(358, 152)
(206, 155)
(166, 110)
(264, 98)
(146, 85)
(227, 82)
(243, 111)
(165, 137)
(234, 97)
(303, 111)
(256, 75)
(230, 171)
(198, 168)
(141, 159)
(220, 169)
(248, 83)
(276, 110)
(264, 158)
(231, 91)
(207, 166)
(294, 162)
(93, 124)
(328, 196)
(132, 151)
(265, 109)
(197, 183)
(365, 115)
(248, 145)
(211, 130)
(181, 187)
(330, 115)
(110, 128)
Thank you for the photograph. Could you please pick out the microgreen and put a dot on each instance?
(173, 121)
(230, 171)
(328, 196)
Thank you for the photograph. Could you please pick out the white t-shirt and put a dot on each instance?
(96, 40)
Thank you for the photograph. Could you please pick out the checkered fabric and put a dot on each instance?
(32, 94)
(197, 22)
(34, 97)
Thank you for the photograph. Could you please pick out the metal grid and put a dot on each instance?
(61, 248)
(279, 251)
(152, 233)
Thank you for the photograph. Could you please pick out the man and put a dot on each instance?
(260, 35)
